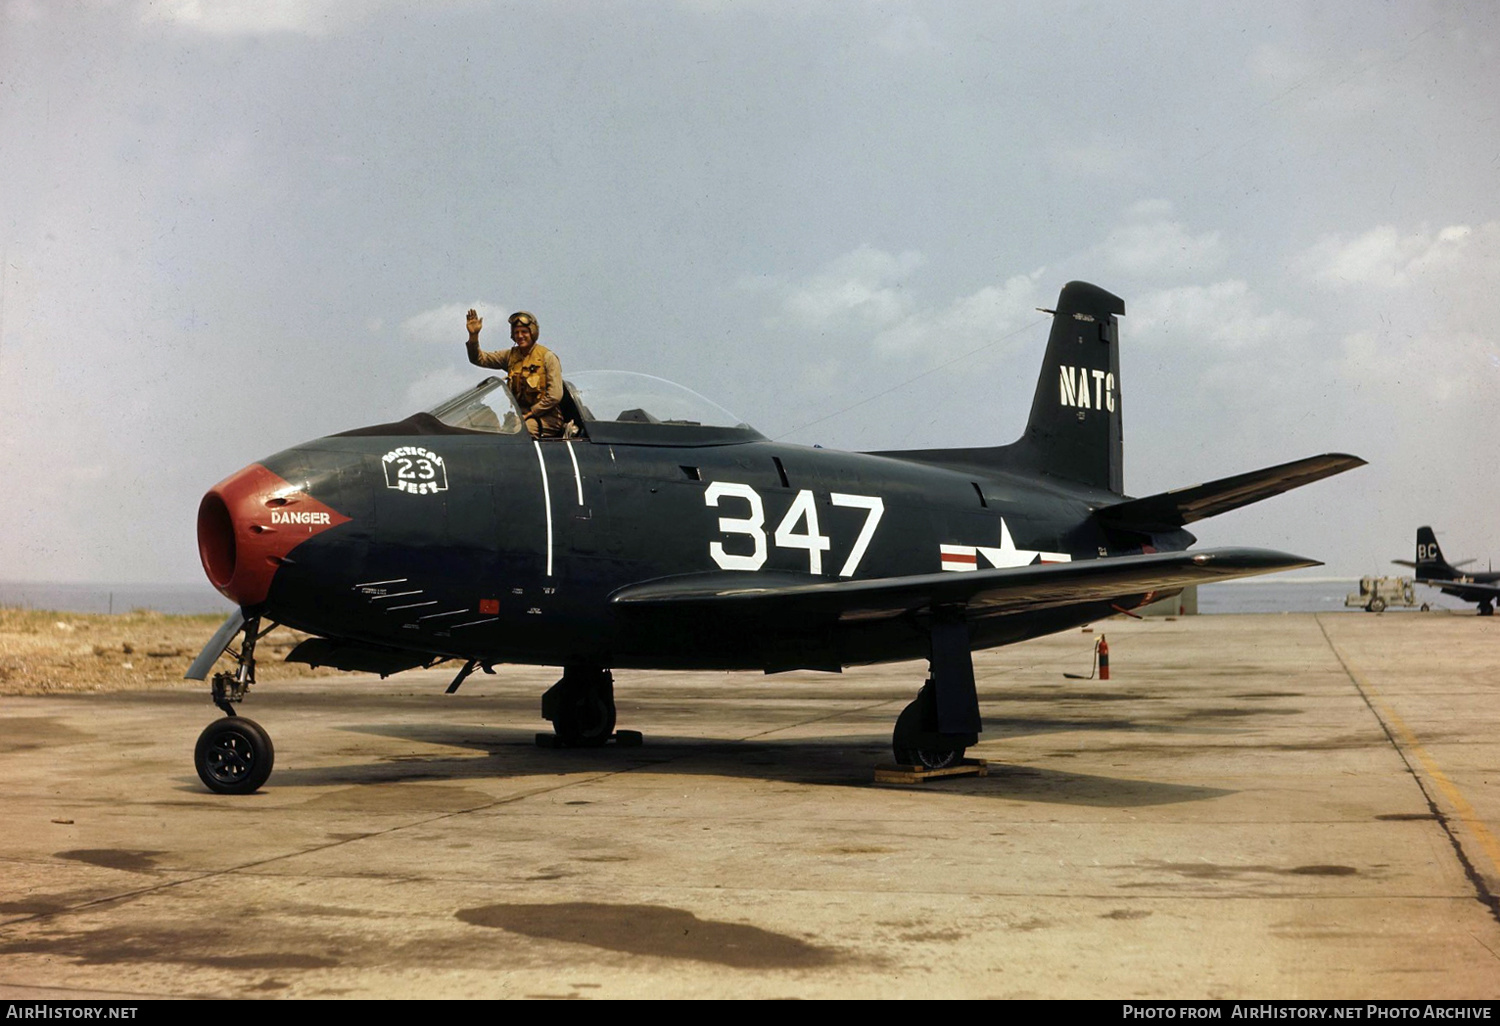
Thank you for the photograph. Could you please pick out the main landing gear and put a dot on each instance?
(234, 755)
(581, 707)
(917, 741)
(943, 721)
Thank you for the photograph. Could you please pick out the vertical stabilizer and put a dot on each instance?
(1430, 562)
(1074, 430)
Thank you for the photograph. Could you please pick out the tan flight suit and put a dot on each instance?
(535, 380)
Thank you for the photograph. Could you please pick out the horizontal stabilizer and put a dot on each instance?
(982, 593)
(1169, 510)
(1455, 565)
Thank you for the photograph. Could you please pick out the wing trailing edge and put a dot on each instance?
(982, 593)
(1168, 510)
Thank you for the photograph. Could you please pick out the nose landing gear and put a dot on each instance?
(234, 755)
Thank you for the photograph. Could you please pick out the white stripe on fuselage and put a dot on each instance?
(577, 478)
(547, 502)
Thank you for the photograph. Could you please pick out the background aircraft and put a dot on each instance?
(1436, 572)
(665, 534)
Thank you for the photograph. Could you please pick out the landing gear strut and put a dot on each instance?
(936, 728)
(581, 707)
(234, 755)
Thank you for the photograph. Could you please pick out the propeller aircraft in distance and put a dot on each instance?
(661, 533)
(1481, 586)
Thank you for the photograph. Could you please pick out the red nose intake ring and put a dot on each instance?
(248, 523)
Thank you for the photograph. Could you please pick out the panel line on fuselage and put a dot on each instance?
(547, 502)
(577, 477)
(471, 623)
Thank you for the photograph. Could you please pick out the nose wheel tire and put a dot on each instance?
(234, 755)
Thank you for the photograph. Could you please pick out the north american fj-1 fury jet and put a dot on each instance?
(661, 533)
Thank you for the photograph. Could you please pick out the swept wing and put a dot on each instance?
(993, 592)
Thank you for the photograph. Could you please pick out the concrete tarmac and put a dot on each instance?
(1258, 806)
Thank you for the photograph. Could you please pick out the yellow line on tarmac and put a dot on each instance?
(1461, 807)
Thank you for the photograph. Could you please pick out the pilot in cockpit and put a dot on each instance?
(533, 371)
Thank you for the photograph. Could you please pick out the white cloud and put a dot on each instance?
(1433, 299)
(445, 325)
(1383, 257)
(1224, 315)
(1151, 243)
(256, 17)
(1279, 67)
(863, 289)
(1354, 82)
(1098, 156)
(966, 322)
(437, 385)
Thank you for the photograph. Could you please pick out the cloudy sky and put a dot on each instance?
(227, 227)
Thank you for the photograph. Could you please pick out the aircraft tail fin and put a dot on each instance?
(1430, 561)
(1074, 429)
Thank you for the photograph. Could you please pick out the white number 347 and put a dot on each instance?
(802, 514)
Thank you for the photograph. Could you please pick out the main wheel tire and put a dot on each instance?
(1377, 605)
(234, 756)
(914, 746)
(586, 720)
(929, 758)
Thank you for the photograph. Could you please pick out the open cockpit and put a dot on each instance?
(621, 407)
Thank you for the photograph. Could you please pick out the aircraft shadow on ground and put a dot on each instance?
(816, 762)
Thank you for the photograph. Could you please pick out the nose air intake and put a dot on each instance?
(216, 546)
(248, 524)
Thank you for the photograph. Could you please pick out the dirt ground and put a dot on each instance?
(43, 653)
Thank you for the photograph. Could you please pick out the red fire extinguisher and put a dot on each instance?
(1103, 658)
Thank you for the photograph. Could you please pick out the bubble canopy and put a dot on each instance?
(610, 406)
